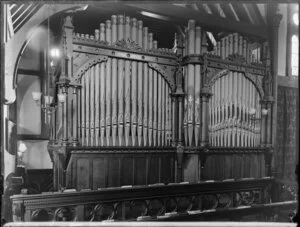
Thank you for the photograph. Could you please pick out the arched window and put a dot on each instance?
(295, 55)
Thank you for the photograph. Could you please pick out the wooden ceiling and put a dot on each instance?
(218, 18)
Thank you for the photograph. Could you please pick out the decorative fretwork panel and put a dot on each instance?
(230, 124)
(124, 103)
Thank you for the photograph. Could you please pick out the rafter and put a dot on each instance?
(180, 15)
(241, 12)
(213, 9)
(258, 14)
(227, 11)
(251, 13)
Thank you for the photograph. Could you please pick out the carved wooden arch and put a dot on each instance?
(167, 73)
(251, 77)
(88, 64)
(257, 83)
(217, 76)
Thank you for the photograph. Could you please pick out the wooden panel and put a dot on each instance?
(113, 172)
(209, 168)
(228, 167)
(141, 170)
(190, 172)
(262, 164)
(153, 173)
(254, 166)
(82, 173)
(247, 160)
(127, 171)
(167, 169)
(97, 170)
(99, 173)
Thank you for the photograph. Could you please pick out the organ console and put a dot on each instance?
(134, 108)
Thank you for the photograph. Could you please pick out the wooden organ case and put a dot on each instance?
(136, 114)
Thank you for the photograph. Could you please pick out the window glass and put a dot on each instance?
(295, 55)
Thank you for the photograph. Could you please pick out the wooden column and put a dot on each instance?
(178, 97)
(205, 95)
(273, 21)
(63, 84)
(274, 69)
(75, 117)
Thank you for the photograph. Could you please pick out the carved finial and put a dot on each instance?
(68, 21)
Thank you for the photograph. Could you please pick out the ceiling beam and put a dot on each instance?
(241, 12)
(201, 8)
(252, 13)
(227, 11)
(213, 9)
(181, 15)
(258, 14)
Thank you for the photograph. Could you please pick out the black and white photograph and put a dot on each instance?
(149, 113)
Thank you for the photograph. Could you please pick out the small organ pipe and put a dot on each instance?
(146, 104)
(133, 30)
(145, 36)
(155, 87)
(127, 28)
(169, 111)
(141, 35)
(83, 124)
(241, 45)
(113, 28)
(103, 101)
(150, 107)
(226, 47)
(97, 34)
(120, 27)
(140, 102)
(97, 100)
(159, 110)
(87, 113)
(223, 48)
(163, 113)
(127, 103)
(120, 100)
(114, 100)
(245, 49)
(235, 43)
(134, 102)
(92, 105)
(230, 38)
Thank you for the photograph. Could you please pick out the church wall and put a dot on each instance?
(286, 157)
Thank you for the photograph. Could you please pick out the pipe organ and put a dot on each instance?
(124, 102)
(135, 109)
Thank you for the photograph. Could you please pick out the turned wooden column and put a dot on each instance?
(274, 64)
(263, 134)
(178, 121)
(75, 116)
(205, 96)
(63, 85)
(174, 120)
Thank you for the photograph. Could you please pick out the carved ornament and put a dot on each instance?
(167, 72)
(128, 44)
(87, 65)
